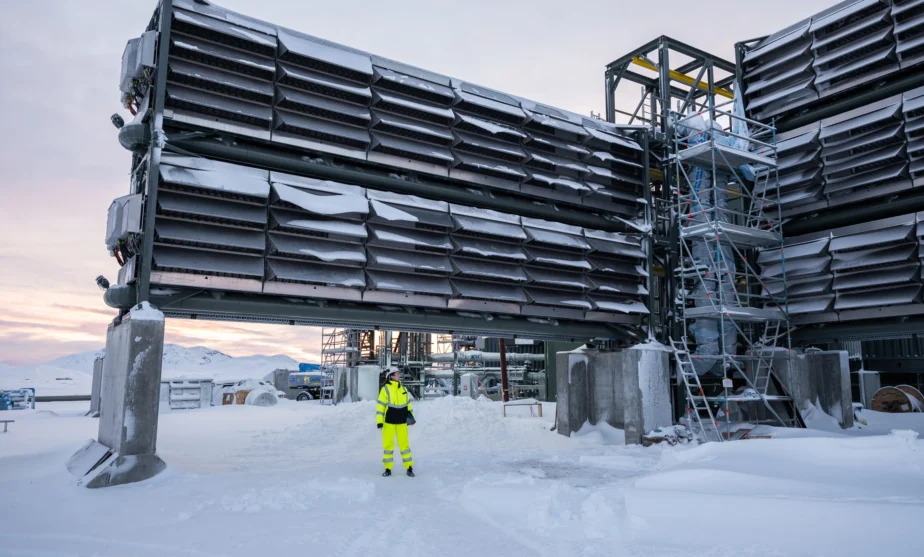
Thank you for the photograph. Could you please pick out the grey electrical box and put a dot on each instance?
(138, 54)
(124, 219)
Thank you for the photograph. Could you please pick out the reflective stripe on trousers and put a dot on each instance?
(389, 433)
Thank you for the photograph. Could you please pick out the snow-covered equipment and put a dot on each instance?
(18, 399)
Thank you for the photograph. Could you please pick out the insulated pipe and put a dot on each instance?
(273, 158)
(479, 356)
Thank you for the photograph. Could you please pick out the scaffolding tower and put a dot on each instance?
(733, 326)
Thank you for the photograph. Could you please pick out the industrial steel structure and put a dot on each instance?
(278, 177)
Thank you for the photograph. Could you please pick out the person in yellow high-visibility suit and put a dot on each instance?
(394, 413)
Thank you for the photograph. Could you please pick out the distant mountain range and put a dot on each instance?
(73, 374)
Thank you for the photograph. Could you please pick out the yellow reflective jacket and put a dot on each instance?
(394, 404)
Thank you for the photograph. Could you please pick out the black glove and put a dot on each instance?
(379, 426)
(410, 418)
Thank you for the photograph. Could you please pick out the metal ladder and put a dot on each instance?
(327, 387)
(696, 397)
(764, 372)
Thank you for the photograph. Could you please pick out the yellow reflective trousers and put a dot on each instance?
(389, 432)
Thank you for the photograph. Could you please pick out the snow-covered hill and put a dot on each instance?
(73, 374)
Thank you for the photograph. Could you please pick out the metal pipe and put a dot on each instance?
(479, 356)
(505, 384)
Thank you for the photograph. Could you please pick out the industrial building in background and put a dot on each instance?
(745, 235)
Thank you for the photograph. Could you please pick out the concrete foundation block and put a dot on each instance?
(120, 470)
(573, 391)
(646, 387)
(822, 378)
(130, 399)
(628, 390)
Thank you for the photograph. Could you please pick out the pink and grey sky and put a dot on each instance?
(61, 164)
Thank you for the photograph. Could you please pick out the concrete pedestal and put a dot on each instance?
(629, 390)
(823, 379)
(129, 402)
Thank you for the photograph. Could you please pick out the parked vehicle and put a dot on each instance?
(308, 382)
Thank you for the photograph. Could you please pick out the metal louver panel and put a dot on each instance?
(480, 126)
(415, 130)
(908, 19)
(211, 210)
(574, 260)
(216, 55)
(777, 73)
(323, 84)
(347, 206)
(488, 270)
(207, 262)
(401, 282)
(412, 86)
(310, 225)
(403, 238)
(313, 273)
(305, 51)
(500, 251)
(314, 249)
(196, 174)
(323, 107)
(209, 236)
(852, 45)
(409, 262)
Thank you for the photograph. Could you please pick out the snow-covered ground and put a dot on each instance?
(303, 479)
(73, 375)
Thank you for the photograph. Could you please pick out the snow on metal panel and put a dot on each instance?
(197, 172)
(410, 239)
(555, 258)
(612, 243)
(877, 277)
(218, 12)
(874, 237)
(489, 227)
(409, 261)
(489, 107)
(410, 283)
(208, 235)
(605, 285)
(871, 257)
(476, 247)
(553, 226)
(345, 204)
(300, 222)
(616, 267)
(488, 291)
(489, 167)
(208, 262)
(546, 297)
(489, 147)
(314, 184)
(877, 298)
(197, 49)
(233, 30)
(557, 279)
(614, 140)
(305, 48)
(796, 251)
(392, 214)
(412, 85)
(557, 182)
(339, 253)
(408, 200)
(557, 239)
(798, 267)
(388, 143)
(801, 287)
(315, 273)
(478, 125)
(617, 305)
(488, 270)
